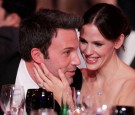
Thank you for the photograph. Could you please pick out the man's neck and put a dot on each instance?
(29, 66)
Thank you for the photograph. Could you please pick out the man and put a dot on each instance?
(12, 12)
(48, 37)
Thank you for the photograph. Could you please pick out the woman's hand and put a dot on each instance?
(59, 86)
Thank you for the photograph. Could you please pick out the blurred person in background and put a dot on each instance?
(12, 12)
(0, 2)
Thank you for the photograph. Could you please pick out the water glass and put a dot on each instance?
(12, 99)
(43, 112)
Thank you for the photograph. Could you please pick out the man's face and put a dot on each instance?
(2, 16)
(0, 2)
(63, 53)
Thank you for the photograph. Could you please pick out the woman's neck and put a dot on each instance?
(109, 70)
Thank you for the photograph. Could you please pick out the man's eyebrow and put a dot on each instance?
(68, 48)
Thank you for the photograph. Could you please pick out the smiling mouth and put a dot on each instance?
(91, 59)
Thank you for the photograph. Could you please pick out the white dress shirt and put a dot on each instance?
(23, 77)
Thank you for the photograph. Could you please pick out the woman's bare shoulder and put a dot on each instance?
(127, 93)
(129, 81)
(127, 73)
(126, 88)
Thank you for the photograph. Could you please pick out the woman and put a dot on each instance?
(107, 79)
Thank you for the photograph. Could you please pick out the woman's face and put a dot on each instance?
(96, 50)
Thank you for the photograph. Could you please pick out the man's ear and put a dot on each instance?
(13, 19)
(120, 41)
(37, 55)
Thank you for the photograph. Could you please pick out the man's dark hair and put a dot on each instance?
(38, 30)
(23, 8)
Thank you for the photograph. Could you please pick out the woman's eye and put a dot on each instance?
(98, 44)
(83, 41)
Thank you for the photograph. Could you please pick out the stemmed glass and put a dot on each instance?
(90, 108)
(88, 105)
(12, 99)
(76, 96)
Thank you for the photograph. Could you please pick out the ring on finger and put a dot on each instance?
(42, 84)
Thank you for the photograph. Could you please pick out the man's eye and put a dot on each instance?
(67, 52)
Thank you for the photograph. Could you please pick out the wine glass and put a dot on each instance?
(43, 112)
(77, 108)
(88, 106)
(18, 100)
(12, 99)
(38, 99)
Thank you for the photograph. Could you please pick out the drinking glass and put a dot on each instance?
(12, 99)
(43, 112)
(88, 107)
(38, 99)
(77, 109)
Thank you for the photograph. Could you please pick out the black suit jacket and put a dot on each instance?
(9, 55)
(133, 63)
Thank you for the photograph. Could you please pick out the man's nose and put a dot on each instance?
(76, 60)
